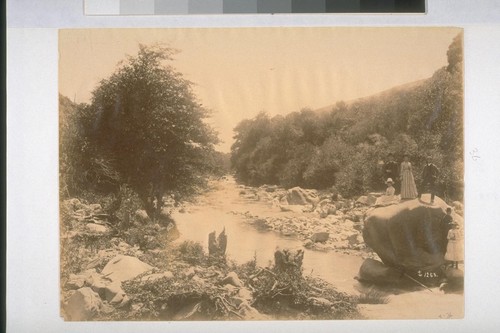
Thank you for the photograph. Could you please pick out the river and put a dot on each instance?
(223, 208)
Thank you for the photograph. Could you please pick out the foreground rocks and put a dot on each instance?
(124, 268)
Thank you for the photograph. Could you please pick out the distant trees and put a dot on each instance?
(145, 124)
(346, 146)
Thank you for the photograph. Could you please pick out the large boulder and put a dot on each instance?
(123, 268)
(300, 196)
(409, 235)
(374, 271)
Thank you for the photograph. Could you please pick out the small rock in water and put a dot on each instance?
(320, 236)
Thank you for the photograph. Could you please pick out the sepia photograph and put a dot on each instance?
(247, 174)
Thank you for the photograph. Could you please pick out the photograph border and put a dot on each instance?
(481, 29)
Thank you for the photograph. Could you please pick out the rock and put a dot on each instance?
(230, 288)
(371, 199)
(299, 196)
(96, 208)
(250, 313)
(352, 239)
(319, 302)
(363, 200)
(83, 305)
(459, 208)
(232, 279)
(454, 274)
(453, 281)
(197, 279)
(308, 244)
(107, 308)
(141, 216)
(189, 272)
(124, 303)
(271, 188)
(92, 278)
(75, 282)
(320, 236)
(409, 234)
(374, 271)
(263, 195)
(97, 228)
(292, 208)
(283, 200)
(245, 294)
(124, 268)
(114, 293)
(326, 209)
(189, 312)
(261, 224)
(156, 276)
(123, 246)
(74, 204)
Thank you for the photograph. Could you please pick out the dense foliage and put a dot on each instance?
(346, 146)
(144, 128)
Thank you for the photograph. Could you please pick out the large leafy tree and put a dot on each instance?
(152, 128)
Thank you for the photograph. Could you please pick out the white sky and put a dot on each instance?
(239, 72)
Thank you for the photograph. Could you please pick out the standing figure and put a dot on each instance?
(408, 187)
(429, 177)
(454, 249)
(391, 170)
(446, 225)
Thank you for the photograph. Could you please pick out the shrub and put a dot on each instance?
(192, 252)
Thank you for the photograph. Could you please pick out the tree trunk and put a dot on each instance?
(288, 261)
(147, 202)
(217, 247)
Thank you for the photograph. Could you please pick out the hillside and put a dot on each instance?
(401, 89)
(343, 145)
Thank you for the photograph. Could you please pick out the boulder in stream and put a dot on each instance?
(300, 196)
(409, 235)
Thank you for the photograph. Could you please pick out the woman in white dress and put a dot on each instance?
(389, 198)
(454, 249)
(408, 187)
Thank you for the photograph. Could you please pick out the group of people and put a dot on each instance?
(452, 234)
(402, 177)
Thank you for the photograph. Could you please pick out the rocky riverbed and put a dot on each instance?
(108, 274)
(113, 274)
(321, 220)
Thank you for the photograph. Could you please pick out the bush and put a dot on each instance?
(284, 291)
(192, 252)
